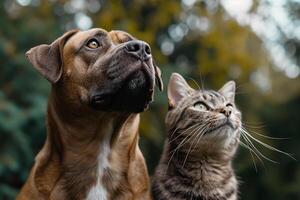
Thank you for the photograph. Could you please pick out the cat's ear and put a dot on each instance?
(177, 89)
(228, 91)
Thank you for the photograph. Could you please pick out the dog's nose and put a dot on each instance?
(139, 49)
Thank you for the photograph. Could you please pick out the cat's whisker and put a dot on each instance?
(199, 88)
(238, 93)
(201, 132)
(191, 127)
(252, 150)
(199, 136)
(251, 153)
(265, 136)
(186, 139)
(266, 145)
(254, 123)
(174, 132)
(253, 126)
(182, 132)
(253, 160)
(254, 163)
(202, 82)
(180, 144)
(174, 151)
(254, 147)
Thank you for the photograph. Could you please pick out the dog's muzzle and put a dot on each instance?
(132, 90)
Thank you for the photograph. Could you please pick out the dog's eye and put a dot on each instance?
(201, 106)
(93, 44)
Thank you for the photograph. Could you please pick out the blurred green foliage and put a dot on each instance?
(200, 41)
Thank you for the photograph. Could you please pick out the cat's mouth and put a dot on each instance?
(226, 124)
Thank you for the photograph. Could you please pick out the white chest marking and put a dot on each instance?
(99, 192)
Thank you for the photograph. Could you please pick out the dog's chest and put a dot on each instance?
(99, 191)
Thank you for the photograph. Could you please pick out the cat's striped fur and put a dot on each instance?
(203, 136)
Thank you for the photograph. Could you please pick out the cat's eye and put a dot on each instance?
(93, 44)
(201, 106)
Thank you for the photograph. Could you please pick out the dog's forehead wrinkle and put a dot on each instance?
(73, 44)
(77, 66)
(93, 30)
(119, 37)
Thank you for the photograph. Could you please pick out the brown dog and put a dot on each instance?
(100, 81)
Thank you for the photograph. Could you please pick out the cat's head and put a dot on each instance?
(202, 120)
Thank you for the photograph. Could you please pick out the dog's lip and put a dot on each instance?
(107, 97)
(110, 93)
(145, 68)
(100, 98)
(147, 76)
(138, 83)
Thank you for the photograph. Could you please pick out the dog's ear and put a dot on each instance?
(47, 59)
(158, 79)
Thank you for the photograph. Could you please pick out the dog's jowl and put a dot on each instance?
(100, 82)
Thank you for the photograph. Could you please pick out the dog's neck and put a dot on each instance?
(84, 142)
(81, 128)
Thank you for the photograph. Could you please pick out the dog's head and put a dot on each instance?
(109, 71)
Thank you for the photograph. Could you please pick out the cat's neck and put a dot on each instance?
(205, 170)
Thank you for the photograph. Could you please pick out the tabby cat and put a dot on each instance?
(203, 136)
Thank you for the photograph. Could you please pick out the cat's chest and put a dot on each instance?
(197, 183)
(194, 188)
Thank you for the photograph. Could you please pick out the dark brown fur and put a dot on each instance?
(91, 151)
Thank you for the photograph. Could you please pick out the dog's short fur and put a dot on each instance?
(100, 82)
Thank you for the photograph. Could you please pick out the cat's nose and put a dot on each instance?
(226, 111)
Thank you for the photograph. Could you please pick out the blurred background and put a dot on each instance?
(256, 43)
